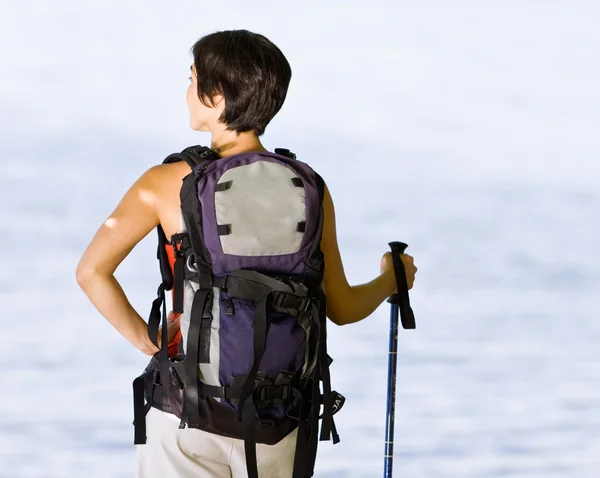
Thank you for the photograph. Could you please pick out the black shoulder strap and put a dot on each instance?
(316, 262)
(193, 155)
(163, 259)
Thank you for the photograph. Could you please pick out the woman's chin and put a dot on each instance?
(196, 126)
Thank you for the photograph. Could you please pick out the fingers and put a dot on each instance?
(407, 258)
(171, 317)
(409, 268)
(408, 262)
(172, 329)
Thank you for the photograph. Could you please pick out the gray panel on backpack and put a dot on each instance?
(262, 207)
(209, 372)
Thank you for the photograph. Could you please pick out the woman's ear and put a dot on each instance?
(218, 101)
(219, 105)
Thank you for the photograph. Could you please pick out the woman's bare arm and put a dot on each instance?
(135, 216)
(347, 304)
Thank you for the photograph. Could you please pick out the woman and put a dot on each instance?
(239, 82)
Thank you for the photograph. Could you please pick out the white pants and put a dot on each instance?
(171, 452)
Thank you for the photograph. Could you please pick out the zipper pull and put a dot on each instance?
(229, 310)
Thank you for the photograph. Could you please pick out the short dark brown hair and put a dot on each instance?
(249, 71)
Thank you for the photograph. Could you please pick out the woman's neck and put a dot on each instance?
(228, 143)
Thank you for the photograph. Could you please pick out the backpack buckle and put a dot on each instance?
(176, 377)
(268, 393)
(156, 377)
(285, 152)
(266, 423)
(304, 305)
(279, 300)
(284, 300)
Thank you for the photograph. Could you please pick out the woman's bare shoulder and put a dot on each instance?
(164, 182)
(163, 177)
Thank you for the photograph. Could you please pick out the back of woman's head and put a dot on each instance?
(249, 71)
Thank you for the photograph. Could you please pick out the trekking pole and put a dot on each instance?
(399, 302)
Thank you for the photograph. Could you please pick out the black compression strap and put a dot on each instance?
(334, 434)
(139, 412)
(249, 437)
(251, 285)
(154, 319)
(260, 340)
(246, 405)
(308, 428)
(228, 393)
(163, 259)
(301, 446)
(312, 343)
(327, 424)
(178, 280)
(192, 357)
(163, 355)
(314, 420)
(205, 328)
(164, 346)
(302, 440)
(158, 312)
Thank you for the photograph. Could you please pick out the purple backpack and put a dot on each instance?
(247, 281)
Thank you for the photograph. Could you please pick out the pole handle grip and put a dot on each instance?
(407, 316)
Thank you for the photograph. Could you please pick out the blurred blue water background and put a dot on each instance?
(467, 129)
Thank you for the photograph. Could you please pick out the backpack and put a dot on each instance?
(246, 274)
